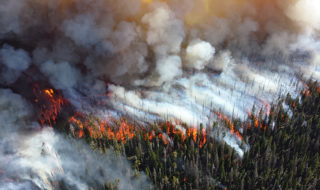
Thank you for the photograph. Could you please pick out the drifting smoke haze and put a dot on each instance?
(37, 158)
(162, 60)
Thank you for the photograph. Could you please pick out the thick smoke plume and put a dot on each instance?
(37, 158)
(156, 60)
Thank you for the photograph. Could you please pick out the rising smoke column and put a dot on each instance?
(162, 60)
(153, 47)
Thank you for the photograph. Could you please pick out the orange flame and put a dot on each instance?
(266, 106)
(230, 124)
(238, 135)
(81, 133)
(49, 92)
(203, 138)
(232, 130)
(306, 92)
(249, 113)
(125, 131)
(50, 104)
(256, 122)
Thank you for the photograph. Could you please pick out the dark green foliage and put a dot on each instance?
(284, 152)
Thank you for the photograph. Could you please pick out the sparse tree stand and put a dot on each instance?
(284, 151)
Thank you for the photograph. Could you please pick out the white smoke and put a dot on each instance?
(46, 160)
(221, 62)
(11, 20)
(169, 68)
(223, 134)
(305, 13)
(83, 30)
(165, 31)
(35, 158)
(14, 112)
(165, 60)
(14, 63)
(165, 34)
(61, 75)
(199, 54)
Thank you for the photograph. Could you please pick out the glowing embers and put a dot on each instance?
(50, 104)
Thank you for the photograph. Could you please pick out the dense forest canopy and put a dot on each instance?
(284, 149)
